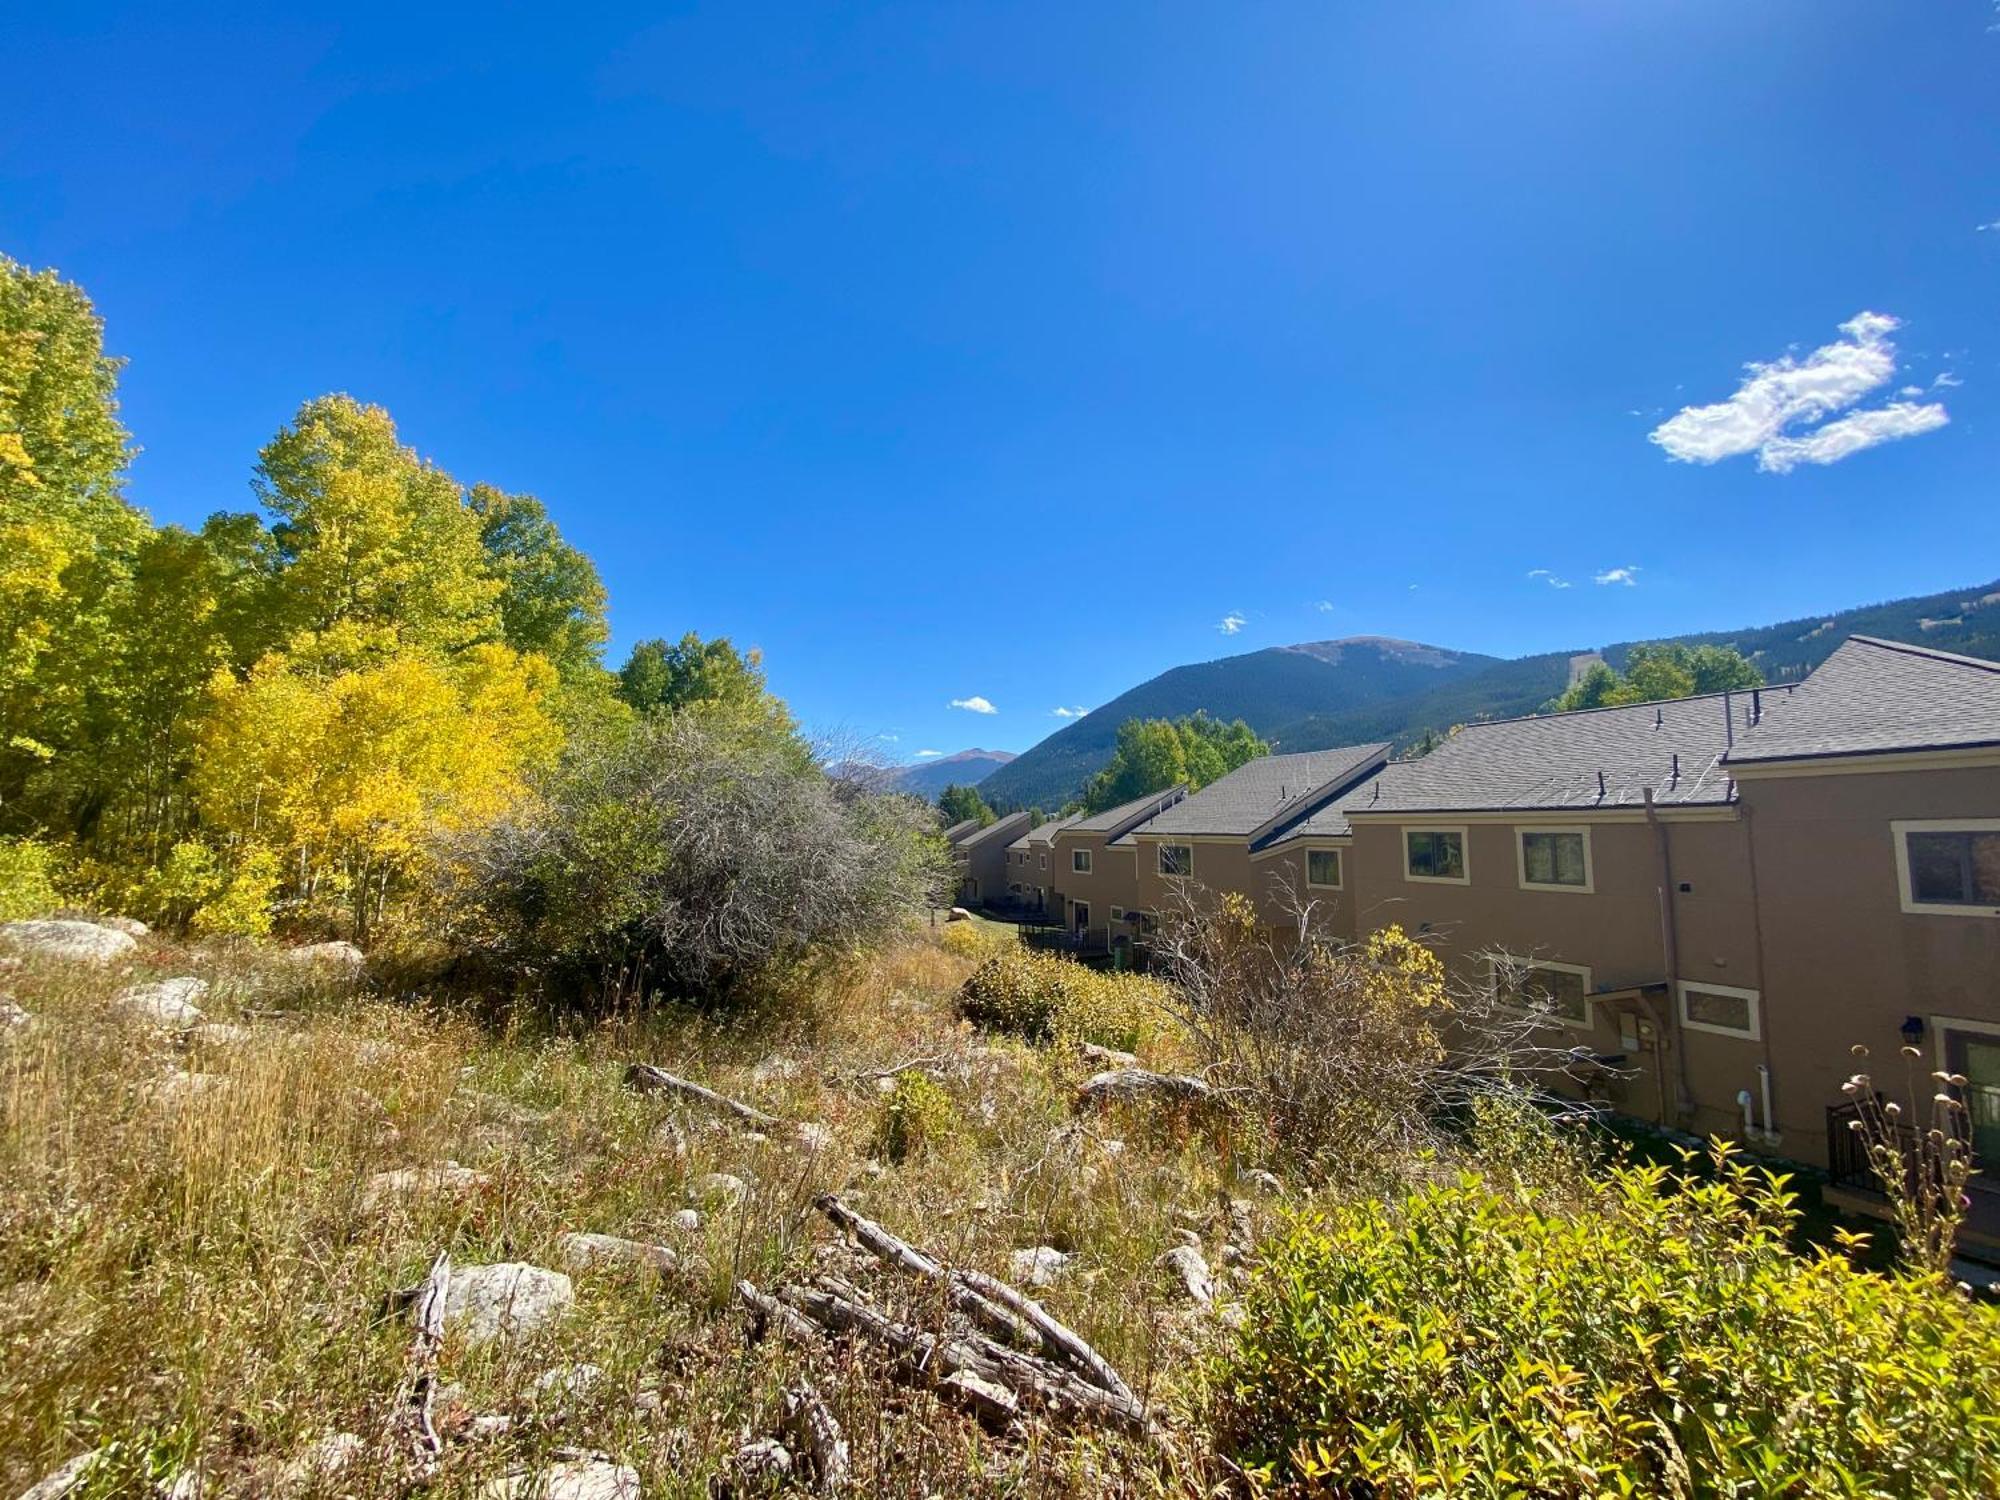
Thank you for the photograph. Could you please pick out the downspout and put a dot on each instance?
(1767, 1070)
(1670, 946)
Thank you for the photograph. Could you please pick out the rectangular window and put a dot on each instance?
(1952, 867)
(1079, 861)
(1559, 991)
(1720, 1009)
(1117, 913)
(1435, 854)
(1323, 868)
(1045, 861)
(1556, 859)
(1177, 860)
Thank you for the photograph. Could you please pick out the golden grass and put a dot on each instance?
(188, 1272)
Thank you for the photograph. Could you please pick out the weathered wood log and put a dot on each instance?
(1127, 1084)
(412, 1418)
(647, 1079)
(811, 1425)
(929, 1358)
(986, 1299)
(767, 1312)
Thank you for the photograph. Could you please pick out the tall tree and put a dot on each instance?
(551, 599)
(1655, 673)
(709, 678)
(1154, 754)
(962, 804)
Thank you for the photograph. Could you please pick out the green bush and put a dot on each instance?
(917, 1115)
(1046, 997)
(1653, 1336)
(27, 880)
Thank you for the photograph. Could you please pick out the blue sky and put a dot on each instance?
(1014, 353)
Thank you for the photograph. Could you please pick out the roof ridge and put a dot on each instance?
(1619, 708)
(1913, 648)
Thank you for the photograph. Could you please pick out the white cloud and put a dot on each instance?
(1945, 380)
(1851, 434)
(1070, 713)
(1549, 578)
(1325, 606)
(928, 754)
(1910, 392)
(1784, 393)
(1628, 576)
(1982, 228)
(1231, 623)
(974, 705)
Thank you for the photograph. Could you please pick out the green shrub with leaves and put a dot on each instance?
(27, 879)
(1654, 1338)
(917, 1116)
(1046, 997)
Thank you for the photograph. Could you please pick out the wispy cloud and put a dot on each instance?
(1944, 380)
(974, 705)
(1549, 578)
(1982, 228)
(1779, 396)
(1325, 606)
(928, 754)
(1231, 623)
(1628, 576)
(1069, 713)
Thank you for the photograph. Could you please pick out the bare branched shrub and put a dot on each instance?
(1923, 1169)
(1347, 1054)
(683, 858)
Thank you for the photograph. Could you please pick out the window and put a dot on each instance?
(1720, 1009)
(1323, 868)
(1117, 913)
(1045, 861)
(1435, 854)
(1079, 861)
(1555, 859)
(1176, 859)
(1950, 867)
(1559, 991)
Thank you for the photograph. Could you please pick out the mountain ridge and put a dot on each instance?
(1312, 708)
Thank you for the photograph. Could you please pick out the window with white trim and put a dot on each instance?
(1079, 861)
(1554, 859)
(1540, 987)
(1950, 867)
(1117, 913)
(1434, 854)
(1176, 860)
(1721, 1009)
(1323, 868)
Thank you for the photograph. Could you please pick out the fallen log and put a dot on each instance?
(767, 1311)
(1120, 1085)
(647, 1079)
(811, 1425)
(412, 1417)
(931, 1358)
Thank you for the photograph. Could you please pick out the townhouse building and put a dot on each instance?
(1097, 878)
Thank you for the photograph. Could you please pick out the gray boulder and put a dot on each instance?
(573, 1479)
(68, 940)
(506, 1299)
(339, 958)
(166, 1003)
(582, 1252)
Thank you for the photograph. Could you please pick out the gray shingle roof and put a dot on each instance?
(1042, 834)
(961, 831)
(1330, 821)
(1552, 762)
(1261, 790)
(1873, 697)
(1126, 812)
(1008, 829)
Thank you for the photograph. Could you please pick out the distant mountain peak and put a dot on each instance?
(1415, 653)
(958, 757)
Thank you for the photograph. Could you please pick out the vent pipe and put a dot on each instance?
(1600, 786)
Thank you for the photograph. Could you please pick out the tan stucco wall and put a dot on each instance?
(1223, 865)
(1844, 962)
(1615, 930)
(1111, 882)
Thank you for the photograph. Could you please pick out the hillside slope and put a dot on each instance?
(1265, 688)
(1360, 697)
(967, 768)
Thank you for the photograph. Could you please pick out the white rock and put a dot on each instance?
(502, 1300)
(776, 1066)
(219, 1034)
(1108, 1057)
(1188, 1237)
(764, 1464)
(344, 957)
(1267, 1183)
(68, 1480)
(1190, 1272)
(322, 1460)
(569, 1383)
(581, 1252)
(725, 1185)
(577, 1479)
(75, 942)
(489, 1425)
(166, 1003)
(814, 1137)
(12, 1014)
(181, 1085)
(1039, 1265)
(132, 927)
(687, 1221)
(450, 1179)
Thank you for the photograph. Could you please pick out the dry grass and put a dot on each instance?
(190, 1273)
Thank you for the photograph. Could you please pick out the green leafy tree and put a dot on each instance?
(959, 804)
(1154, 754)
(1654, 674)
(710, 679)
(551, 599)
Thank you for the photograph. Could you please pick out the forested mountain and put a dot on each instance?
(967, 768)
(1348, 692)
